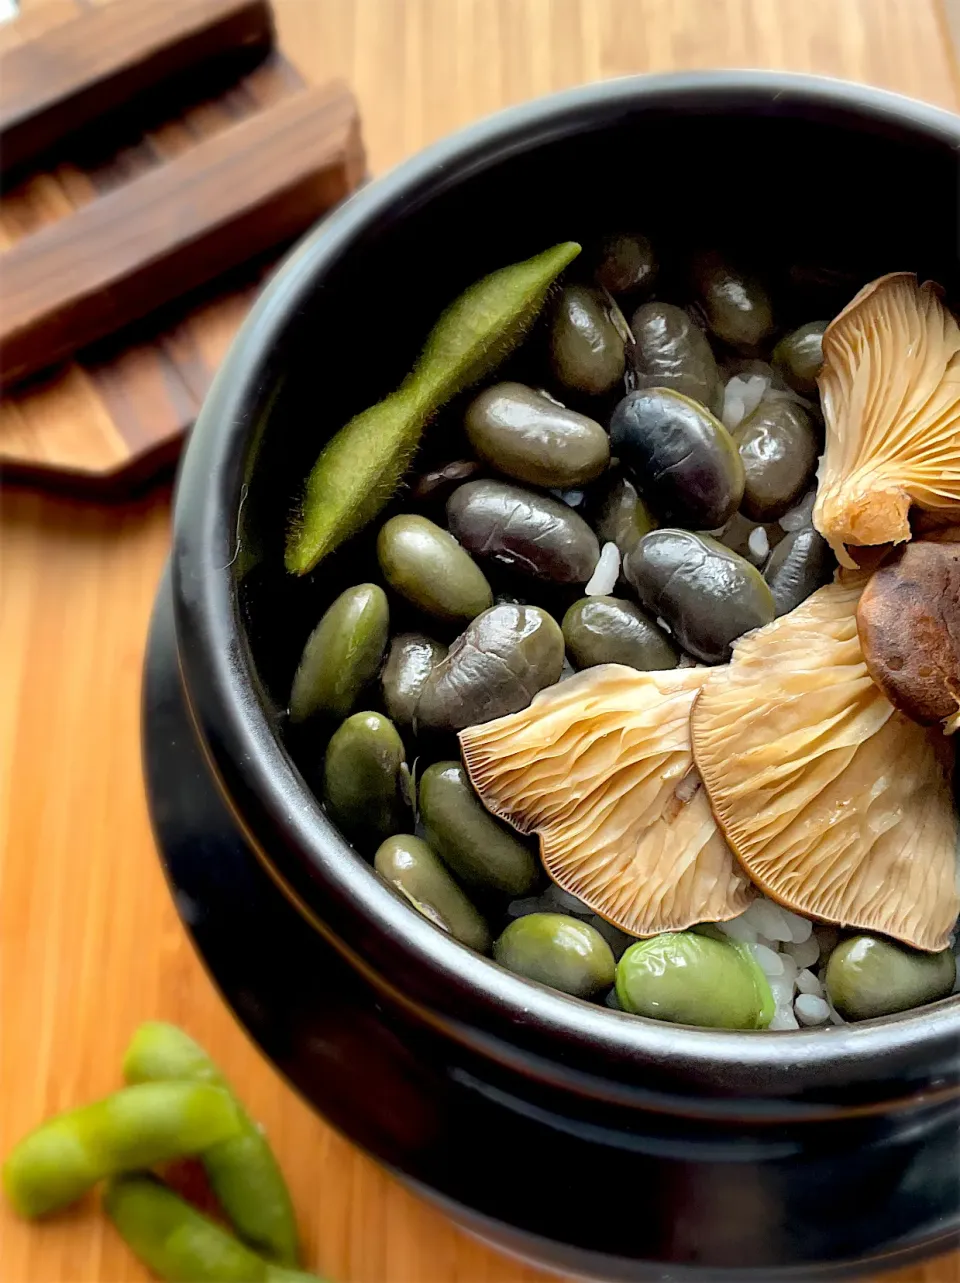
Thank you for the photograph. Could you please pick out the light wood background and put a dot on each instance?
(89, 942)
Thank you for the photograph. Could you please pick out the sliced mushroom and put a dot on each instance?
(837, 805)
(890, 389)
(909, 624)
(600, 767)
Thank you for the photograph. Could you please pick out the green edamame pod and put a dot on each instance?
(361, 466)
(486, 323)
(134, 1128)
(242, 1170)
(180, 1244)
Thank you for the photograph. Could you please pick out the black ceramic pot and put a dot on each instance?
(586, 1139)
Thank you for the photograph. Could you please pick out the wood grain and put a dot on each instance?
(175, 228)
(67, 76)
(89, 943)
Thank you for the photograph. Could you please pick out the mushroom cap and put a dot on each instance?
(890, 389)
(838, 805)
(600, 767)
(908, 619)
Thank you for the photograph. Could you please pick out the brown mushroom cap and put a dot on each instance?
(908, 619)
(600, 767)
(890, 389)
(838, 806)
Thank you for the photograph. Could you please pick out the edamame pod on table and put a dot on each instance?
(242, 1170)
(180, 1244)
(134, 1128)
(361, 466)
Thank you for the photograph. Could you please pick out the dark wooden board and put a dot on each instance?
(176, 227)
(118, 411)
(102, 59)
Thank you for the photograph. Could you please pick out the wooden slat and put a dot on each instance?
(176, 227)
(122, 410)
(79, 71)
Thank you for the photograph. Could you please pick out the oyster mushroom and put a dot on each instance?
(600, 767)
(908, 619)
(890, 389)
(837, 804)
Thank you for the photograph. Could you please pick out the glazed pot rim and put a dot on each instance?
(471, 998)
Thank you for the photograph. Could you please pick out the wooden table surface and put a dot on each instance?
(89, 942)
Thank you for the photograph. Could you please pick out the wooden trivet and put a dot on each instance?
(119, 410)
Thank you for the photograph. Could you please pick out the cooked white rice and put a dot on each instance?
(604, 579)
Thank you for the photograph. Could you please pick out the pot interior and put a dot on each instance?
(816, 195)
(824, 198)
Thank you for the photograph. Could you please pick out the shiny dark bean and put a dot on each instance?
(753, 540)
(799, 357)
(522, 434)
(628, 264)
(736, 305)
(682, 460)
(529, 532)
(619, 515)
(493, 668)
(778, 448)
(606, 630)
(586, 352)
(670, 351)
(707, 594)
(437, 484)
(409, 662)
(800, 564)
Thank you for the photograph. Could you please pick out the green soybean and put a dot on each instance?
(410, 866)
(480, 850)
(799, 357)
(606, 630)
(134, 1128)
(364, 784)
(868, 977)
(342, 654)
(559, 951)
(425, 564)
(691, 979)
(180, 1244)
(242, 1170)
(361, 466)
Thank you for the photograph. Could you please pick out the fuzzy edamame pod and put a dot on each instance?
(134, 1128)
(361, 466)
(180, 1244)
(242, 1170)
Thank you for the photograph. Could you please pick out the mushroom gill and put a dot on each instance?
(837, 805)
(600, 767)
(890, 389)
